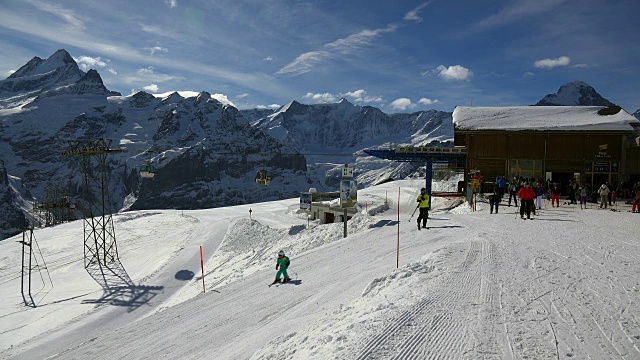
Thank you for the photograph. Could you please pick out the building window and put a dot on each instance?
(525, 168)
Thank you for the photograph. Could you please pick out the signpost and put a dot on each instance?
(348, 193)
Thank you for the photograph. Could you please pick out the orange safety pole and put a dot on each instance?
(202, 265)
(398, 251)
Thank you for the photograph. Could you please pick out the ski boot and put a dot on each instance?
(286, 280)
(276, 281)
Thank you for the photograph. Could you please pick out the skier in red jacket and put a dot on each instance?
(526, 195)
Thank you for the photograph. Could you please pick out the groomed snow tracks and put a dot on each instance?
(438, 325)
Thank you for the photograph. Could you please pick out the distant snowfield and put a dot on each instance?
(474, 285)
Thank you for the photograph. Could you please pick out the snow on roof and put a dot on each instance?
(561, 118)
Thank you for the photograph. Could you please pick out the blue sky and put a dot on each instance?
(399, 56)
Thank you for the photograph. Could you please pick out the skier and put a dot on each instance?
(555, 195)
(526, 196)
(513, 192)
(604, 195)
(423, 204)
(583, 196)
(282, 263)
(494, 201)
(539, 193)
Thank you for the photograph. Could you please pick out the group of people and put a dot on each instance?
(530, 192)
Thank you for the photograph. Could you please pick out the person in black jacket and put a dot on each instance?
(494, 201)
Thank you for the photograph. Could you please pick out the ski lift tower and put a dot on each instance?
(99, 234)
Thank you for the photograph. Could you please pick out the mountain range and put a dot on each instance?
(206, 153)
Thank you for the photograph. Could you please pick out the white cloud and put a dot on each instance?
(304, 62)
(402, 104)
(68, 16)
(551, 63)
(147, 75)
(146, 71)
(171, 3)
(157, 50)
(413, 14)
(242, 96)
(339, 48)
(223, 99)
(268, 58)
(151, 88)
(455, 72)
(517, 10)
(581, 66)
(272, 106)
(87, 62)
(10, 72)
(425, 101)
(361, 96)
(529, 74)
(323, 98)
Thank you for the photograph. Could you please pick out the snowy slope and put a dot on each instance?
(474, 285)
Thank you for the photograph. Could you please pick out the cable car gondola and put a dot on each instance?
(147, 170)
(262, 178)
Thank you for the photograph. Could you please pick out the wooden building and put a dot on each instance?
(592, 144)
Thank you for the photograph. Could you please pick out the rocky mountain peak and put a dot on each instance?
(142, 99)
(575, 93)
(89, 83)
(57, 70)
(38, 66)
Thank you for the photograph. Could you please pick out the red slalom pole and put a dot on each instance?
(202, 265)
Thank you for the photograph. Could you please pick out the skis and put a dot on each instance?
(278, 283)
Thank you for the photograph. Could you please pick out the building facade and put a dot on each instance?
(587, 143)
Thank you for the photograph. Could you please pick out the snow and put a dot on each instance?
(564, 118)
(474, 285)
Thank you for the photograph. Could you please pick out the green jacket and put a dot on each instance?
(423, 200)
(283, 262)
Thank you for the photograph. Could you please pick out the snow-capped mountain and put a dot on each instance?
(576, 93)
(328, 132)
(343, 125)
(206, 153)
(637, 114)
(57, 70)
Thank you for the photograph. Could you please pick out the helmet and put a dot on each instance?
(281, 253)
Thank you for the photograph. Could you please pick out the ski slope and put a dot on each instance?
(475, 285)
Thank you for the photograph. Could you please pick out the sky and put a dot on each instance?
(397, 56)
(474, 285)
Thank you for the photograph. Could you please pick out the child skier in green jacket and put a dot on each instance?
(282, 263)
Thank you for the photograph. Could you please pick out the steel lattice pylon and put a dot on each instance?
(99, 234)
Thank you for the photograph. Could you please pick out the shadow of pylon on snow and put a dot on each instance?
(118, 288)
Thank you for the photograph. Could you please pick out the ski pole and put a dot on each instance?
(414, 212)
